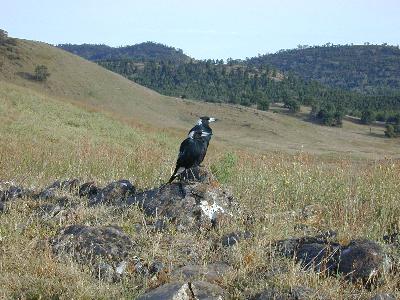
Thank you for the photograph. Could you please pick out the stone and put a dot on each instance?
(69, 186)
(169, 291)
(88, 190)
(319, 252)
(361, 260)
(114, 193)
(194, 205)
(383, 296)
(96, 246)
(14, 192)
(319, 257)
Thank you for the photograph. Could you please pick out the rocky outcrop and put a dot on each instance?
(188, 205)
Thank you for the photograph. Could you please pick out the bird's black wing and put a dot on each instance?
(196, 128)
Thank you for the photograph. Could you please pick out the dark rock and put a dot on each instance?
(169, 291)
(197, 205)
(96, 246)
(393, 238)
(88, 190)
(233, 238)
(362, 260)
(213, 273)
(2, 207)
(114, 193)
(156, 267)
(14, 192)
(69, 186)
(383, 297)
(319, 257)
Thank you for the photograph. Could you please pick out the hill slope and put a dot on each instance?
(365, 68)
(142, 51)
(83, 83)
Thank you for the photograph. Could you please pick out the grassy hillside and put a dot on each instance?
(45, 138)
(89, 123)
(365, 68)
(87, 85)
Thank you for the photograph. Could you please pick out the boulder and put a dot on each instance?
(319, 253)
(169, 291)
(114, 193)
(104, 248)
(197, 204)
(362, 260)
(69, 186)
(14, 192)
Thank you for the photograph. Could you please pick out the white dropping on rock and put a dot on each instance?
(121, 267)
(211, 211)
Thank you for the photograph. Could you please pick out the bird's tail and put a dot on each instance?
(178, 170)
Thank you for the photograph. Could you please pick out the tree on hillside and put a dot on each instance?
(41, 73)
(292, 105)
(367, 117)
(392, 131)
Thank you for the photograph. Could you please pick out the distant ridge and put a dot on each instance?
(143, 51)
(364, 68)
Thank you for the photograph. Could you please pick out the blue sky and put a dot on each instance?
(205, 28)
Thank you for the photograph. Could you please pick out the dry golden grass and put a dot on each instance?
(48, 134)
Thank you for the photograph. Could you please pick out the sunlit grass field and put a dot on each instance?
(43, 139)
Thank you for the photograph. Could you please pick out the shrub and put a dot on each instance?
(41, 73)
(263, 104)
(367, 117)
(392, 131)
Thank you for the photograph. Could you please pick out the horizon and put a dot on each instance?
(206, 30)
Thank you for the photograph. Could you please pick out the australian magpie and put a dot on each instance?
(191, 152)
(204, 125)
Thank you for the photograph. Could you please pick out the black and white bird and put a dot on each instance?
(191, 152)
(203, 124)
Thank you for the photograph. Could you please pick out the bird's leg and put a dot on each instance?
(181, 189)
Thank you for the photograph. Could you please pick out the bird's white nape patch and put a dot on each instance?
(200, 122)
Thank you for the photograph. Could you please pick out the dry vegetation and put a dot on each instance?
(45, 138)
